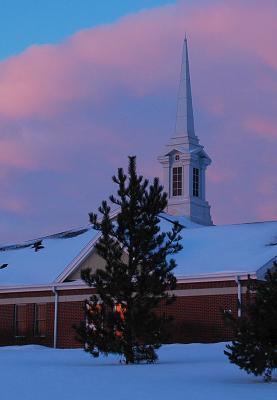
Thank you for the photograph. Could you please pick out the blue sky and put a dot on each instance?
(27, 22)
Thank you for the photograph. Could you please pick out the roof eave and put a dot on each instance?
(76, 262)
(263, 270)
(43, 287)
(217, 277)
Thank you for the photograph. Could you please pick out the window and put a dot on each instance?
(195, 182)
(177, 178)
(177, 157)
(20, 320)
(120, 309)
(40, 320)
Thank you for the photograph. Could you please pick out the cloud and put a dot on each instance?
(136, 54)
(13, 154)
(263, 127)
(71, 113)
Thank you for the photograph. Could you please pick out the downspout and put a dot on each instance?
(239, 295)
(55, 317)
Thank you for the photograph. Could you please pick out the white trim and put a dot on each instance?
(239, 292)
(262, 271)
(74, 264)
(27, 300)
(217, 277)
(206, 291)
(176, 166)
(42, 288)
(81, 297)
(55, 317)
(78, 259)
(44, 299)
(81, 285)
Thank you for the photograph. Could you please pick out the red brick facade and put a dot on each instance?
(197, 312)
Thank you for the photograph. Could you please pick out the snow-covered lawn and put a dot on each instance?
(189, 372)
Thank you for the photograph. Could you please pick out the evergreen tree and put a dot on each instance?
(122, 318)
(254, 348)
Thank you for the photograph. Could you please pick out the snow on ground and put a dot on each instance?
(191, 372)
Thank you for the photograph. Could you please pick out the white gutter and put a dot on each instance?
(79, 284)
(41, 288)
(55, 317)
(239, 295)
(216, 277)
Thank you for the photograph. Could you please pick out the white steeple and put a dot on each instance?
(184, 126)
(185, 161)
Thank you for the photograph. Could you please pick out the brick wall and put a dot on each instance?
(7, 326)
(199, 319)
(70, 314)
(196, 318)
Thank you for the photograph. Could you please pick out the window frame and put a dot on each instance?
(177, 181)
(196, 182)
(37, 320)
(17, 333)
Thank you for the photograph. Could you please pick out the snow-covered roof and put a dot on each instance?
(184, 221)
(207, 251)
(242, 248)
(29, 267)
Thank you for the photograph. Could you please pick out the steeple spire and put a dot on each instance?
(184, 126)
(185, 161)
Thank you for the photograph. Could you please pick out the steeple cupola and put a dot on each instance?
(185, 161)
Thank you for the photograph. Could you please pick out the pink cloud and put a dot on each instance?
(262, 127)
(267, 211)
(218, 176)
(135, 53)
(15, 206)
(71, 113)
(13, 153)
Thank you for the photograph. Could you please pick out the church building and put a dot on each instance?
(41, 291)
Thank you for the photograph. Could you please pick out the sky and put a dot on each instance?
(85, 84)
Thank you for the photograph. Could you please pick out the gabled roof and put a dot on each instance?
(237, 249)
(211, 251)
(185, 150)
(29, 267)
(222, 250)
